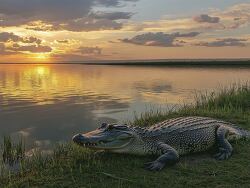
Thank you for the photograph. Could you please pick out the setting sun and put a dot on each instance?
(42, 56)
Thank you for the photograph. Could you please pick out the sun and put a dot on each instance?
(41, 57)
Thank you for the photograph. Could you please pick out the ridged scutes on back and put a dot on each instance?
(182, 124)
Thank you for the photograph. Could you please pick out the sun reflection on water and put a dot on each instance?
(41, 70)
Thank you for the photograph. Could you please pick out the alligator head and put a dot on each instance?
(109, 137)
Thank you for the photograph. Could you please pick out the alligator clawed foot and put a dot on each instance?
(223, 154)
(154, 166)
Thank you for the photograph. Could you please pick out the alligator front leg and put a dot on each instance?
(169, 156)
(225, 148)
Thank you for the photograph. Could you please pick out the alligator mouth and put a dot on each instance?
(88, 144)
(103, 145)
(92, 144)
(100, 143)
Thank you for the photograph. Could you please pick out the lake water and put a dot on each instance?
(46, 104)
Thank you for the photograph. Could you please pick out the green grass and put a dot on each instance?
(12, 153)
(73, 166)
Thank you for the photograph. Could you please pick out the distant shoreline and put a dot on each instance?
(176, 63)
(172, 62)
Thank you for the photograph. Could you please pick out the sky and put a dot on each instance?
(89, 30)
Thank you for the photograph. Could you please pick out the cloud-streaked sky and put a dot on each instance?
(65, 30)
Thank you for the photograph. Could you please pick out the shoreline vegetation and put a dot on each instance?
(156, 62)
(74, 166)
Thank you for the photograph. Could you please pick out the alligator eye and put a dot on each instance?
(104, 125)
(110, 127)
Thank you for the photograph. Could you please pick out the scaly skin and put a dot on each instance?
(168, 139)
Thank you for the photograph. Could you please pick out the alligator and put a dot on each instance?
(169, 139)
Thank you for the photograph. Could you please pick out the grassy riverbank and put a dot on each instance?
(72, 166)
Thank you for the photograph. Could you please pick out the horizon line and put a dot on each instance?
(203, 61)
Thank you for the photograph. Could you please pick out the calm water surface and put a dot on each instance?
(46, 104)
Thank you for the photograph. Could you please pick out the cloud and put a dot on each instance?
(233, 17)
(90, 50)
(31, 44)
(206, 18)
(52, 10)
(30, 48)
(238, 11)
(43, 26)
(159, 39)
(224, 42)
(31, 40)
(111, 15)
(110, 3)
(78, 25)
(8, 37)
(60, 15)
(236, 16)
(172, 25)
(2, 48)
(63, 41)
(90, 24)
(190, 34)
(79, 54)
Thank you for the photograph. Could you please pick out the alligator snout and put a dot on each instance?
(82, 139)
(86, 141)
(105, 138)
(77, 138)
